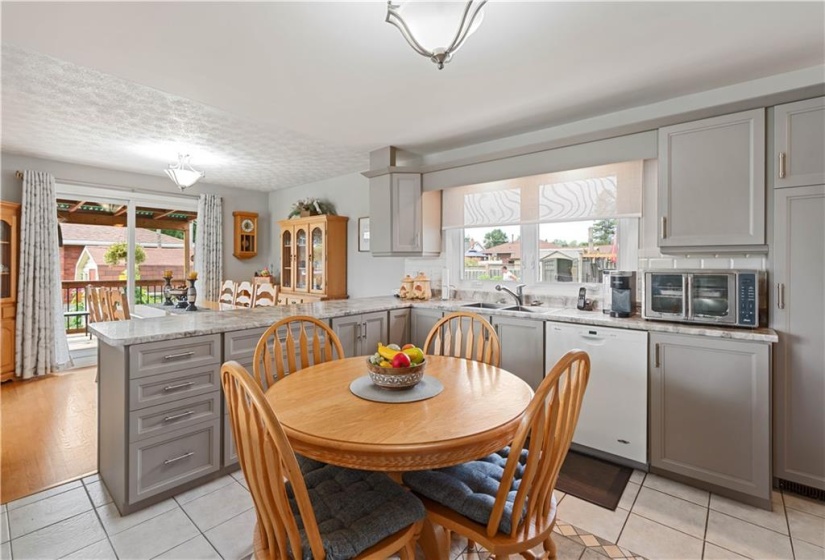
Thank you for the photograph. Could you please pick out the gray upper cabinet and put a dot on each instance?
(522, 348)
(797, 313)
(404, 220)
(712, 183)
(360, 334)
(799, 143)
(710, 411)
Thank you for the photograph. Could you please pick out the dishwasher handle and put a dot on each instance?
(593, 338)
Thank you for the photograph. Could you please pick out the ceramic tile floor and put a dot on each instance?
(656, 518)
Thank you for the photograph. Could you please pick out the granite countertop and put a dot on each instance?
(180, 325)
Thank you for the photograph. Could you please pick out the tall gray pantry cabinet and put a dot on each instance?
(797, 310)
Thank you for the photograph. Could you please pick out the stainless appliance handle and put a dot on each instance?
(688, 296)
(781, 165)
(780, 295)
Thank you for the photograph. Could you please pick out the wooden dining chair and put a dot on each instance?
(227, 296)
(372, 517)
(464, 335)
(243, 294)
(93, 304)
(266, 295)
(291, 344)
(519, 512)
(118, 305)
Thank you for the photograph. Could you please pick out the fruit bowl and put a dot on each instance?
(396, 378)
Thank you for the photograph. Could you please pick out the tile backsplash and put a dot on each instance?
(724, 262)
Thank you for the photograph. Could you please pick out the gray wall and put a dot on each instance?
(366, 275)
(233, 199)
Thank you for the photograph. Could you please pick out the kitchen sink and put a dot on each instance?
(522, 308)
(484, 305)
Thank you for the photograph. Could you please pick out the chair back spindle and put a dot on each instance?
(464, 335)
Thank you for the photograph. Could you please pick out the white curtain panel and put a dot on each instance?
(41, 337)
(209, 247)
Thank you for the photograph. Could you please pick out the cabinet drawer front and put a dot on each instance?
(173, 355)
(163, 462)
(157, 420)
(160, 389)
(240, 345)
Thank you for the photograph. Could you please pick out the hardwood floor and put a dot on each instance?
(48, 432)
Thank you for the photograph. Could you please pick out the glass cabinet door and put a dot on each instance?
(5, 259)
(301, 257)
(286, 258)
(318, 256)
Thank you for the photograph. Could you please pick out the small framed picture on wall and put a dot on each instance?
(363, 235)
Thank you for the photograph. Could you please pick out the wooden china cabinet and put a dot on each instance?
(9, 256)
(313, 259)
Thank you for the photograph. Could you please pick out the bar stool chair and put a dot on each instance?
(243, 294)
(266, 295)
(227, 297)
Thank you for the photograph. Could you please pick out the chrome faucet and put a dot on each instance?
(518, 294)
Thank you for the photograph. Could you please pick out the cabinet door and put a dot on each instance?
(348, 330)
(422, 321)
(373, 331)
(7, 341)
(799, 143)
(406, 212)
(399, 327)
(710, 411)
(522, 348)
(712, 182)
(797, 315)
(301, 258)
(318, 257)
(287, 258)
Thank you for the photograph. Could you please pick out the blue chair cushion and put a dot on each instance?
(470, 488)
(354, 509)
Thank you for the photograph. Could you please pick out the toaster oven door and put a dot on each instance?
(665, 296)
(712, 297)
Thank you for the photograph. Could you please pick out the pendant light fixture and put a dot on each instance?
(182, 173)
(428, 26)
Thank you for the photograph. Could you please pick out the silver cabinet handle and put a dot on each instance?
(179, 386)
(358, 332)
(781, 165)
(174, 459)
(177, 416)
(664, 227)
(780, 295)
(178, 356)
(656, 362)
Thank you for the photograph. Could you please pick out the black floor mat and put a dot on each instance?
(594, 480)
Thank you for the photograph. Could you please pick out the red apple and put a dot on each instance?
(401, 360)
(407, 346)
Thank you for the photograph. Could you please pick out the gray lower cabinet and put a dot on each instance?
(710, 414)
(421, 323)
(360, 334)
(159, 417)
(240, 347)
(797, 315)
(399, 327)
(712, 183)
(522, 348)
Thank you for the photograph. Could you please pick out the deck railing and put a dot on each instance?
(75, 313)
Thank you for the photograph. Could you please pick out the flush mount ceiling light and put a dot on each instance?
(183, 174)
(434, 24)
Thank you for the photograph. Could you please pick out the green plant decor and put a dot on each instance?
(312, 207)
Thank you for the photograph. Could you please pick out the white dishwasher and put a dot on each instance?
(613, 418)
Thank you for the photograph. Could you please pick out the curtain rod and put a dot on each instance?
(19, 175)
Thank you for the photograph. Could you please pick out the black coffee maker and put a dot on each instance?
(623, 293)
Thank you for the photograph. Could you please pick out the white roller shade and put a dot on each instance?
(593, 193)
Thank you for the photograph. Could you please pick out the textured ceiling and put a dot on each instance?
(55, 109)
(267, 95)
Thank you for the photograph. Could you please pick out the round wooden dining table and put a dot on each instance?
(477, 413)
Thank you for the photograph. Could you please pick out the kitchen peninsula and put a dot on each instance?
(163, 427)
